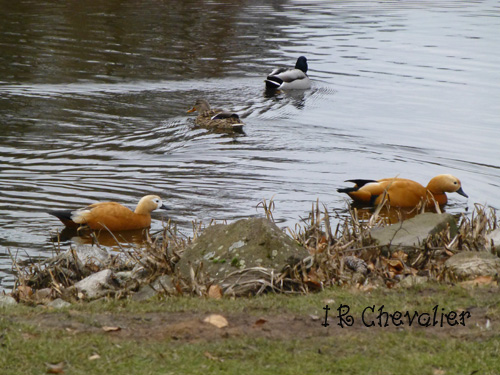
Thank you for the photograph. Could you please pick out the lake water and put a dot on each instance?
(93, 100)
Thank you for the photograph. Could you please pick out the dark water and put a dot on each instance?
(93, 100)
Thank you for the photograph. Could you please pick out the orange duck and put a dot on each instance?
(111, 215)
(404, 193)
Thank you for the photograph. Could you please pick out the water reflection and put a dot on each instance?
(124, 239)
(297, 98)
(391, 215)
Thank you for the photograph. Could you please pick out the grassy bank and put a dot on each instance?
(270, 334)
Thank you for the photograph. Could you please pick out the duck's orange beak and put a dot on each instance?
(192, 110)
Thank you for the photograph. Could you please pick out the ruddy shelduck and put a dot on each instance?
(404, 193)
(111, 215)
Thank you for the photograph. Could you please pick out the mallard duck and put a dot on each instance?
(401, 192)
(111, 215)
(216, 118)
(289, 79)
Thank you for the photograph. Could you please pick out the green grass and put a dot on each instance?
(25, 347)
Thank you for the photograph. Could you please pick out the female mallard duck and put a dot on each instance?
(216, 118)
(401, 192)
(289, 79)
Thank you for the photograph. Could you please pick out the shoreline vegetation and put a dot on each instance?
(348, 254)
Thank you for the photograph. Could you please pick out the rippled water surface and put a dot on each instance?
(93, 100)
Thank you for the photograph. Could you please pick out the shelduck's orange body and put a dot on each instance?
(111, 215)
(404, 193)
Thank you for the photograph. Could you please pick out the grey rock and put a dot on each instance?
(144, 293)
(97, 285)
(58, 303)
(468, 265)
(164, 284)
(412, 232)
(124, 276)
(161, 285)
(254, 242)
(7, 301)
(92, 254)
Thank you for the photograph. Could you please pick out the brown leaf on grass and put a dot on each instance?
(367, 288)
(259, 322)
(215, 291)
(212, 357)
(110, 329)
(216, 320)
(94, 356)
(438, 371)
(57, 368)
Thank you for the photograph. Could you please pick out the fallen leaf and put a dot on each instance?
(314, 317)
(212, 357)
(178, 288)
(215, 291)
(260, 322)
(367, 287)
(93, 357)
(438, 371)
(57, 368)
(313, 279)
(395, 265)
(401, 255)
(216, 320)
(110, 329)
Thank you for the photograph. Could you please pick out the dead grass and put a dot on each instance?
(340, 254)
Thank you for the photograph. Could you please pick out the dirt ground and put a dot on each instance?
(190, 327)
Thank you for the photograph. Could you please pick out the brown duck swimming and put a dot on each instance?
(401, 192)
(111, 215)
(216, 118)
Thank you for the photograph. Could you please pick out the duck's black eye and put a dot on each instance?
(455, 182)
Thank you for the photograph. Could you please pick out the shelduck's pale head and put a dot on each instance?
(446, 183)
(149, 203)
